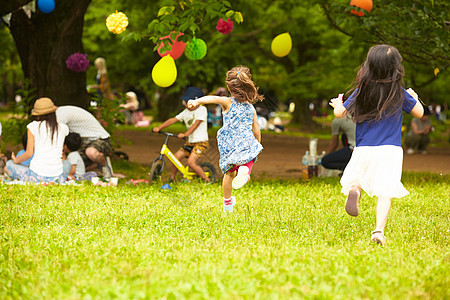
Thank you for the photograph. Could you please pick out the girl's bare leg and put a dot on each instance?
(383, 207)
(226, 184)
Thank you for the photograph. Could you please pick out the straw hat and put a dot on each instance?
(43, 106)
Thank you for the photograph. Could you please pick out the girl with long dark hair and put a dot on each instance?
(376, 103)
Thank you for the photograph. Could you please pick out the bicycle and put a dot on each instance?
(158, 163)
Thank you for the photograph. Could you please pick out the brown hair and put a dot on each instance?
(379, 85)
(240, 84)
(51, 123)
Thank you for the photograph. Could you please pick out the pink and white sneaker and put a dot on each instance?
(241, 178)
(228, 204)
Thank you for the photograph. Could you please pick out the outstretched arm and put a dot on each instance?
(339, 109)
(255, 128)
(191, 129)
(166, 123)
(225, 102)
(417, 110)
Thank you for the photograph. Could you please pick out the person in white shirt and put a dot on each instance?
(46, 137)
(195, 120)
(96, 145)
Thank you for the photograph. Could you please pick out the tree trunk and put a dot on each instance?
(44, 42)
(168, 104)
(302, 115)
(8, 89)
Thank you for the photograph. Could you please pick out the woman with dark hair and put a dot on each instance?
(46, 139)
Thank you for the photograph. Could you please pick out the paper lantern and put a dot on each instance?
(177, 47)
(281, 45)
(365, 4)
(164, 73)
(46, 6)
(225, 27)
(117, 22)
(77, 62)
(195, 49)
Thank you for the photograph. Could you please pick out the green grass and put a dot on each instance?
(285, 239)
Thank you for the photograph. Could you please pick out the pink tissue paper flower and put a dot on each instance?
(224, 27)
(77, 62)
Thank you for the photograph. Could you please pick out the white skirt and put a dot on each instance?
(377, 170)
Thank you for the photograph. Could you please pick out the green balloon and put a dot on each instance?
(195, 49)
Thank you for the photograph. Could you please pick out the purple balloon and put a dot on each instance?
(46, 6)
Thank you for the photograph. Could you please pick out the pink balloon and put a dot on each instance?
(177, 47)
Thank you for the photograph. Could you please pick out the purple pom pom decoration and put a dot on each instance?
(77, 62)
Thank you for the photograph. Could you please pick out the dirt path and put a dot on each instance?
(281, 157)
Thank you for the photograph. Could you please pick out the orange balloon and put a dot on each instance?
(365, 4)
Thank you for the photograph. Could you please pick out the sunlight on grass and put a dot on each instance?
(285, 239)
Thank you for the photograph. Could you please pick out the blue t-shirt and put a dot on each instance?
(27, 162)
(386, 131)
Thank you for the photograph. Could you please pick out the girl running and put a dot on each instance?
(376, 106)
(239, 140)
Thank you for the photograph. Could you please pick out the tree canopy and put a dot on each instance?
(329, 43)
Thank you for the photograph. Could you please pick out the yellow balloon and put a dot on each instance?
(164, 73)
(281, 44)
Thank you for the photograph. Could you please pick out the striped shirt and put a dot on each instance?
(82, 122)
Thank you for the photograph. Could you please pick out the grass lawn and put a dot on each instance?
(285, 239)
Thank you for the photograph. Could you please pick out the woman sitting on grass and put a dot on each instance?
(46, 137)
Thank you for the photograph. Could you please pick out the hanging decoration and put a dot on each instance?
(195, 49)
(7, 19)
(281, 44)
(77, 62)
(225, 27)
(29, 8)
(46, 6)
(117, 22)
(436, 71)
(164, 73)
(177, 46)
(365, 4)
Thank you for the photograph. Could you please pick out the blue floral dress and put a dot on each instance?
(236, 142)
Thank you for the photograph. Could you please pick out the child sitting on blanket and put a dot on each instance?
(77, 171)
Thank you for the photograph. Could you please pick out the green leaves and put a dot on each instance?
(188, 17)
(165, 10)
(416, 28)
